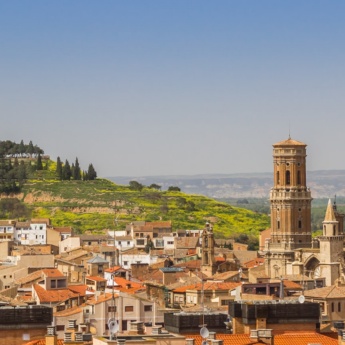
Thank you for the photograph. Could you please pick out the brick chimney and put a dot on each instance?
(51, 336)
(262, 335)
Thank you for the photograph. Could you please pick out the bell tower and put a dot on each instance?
(290, 201)
(208, 265)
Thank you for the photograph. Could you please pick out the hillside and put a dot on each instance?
(93, 205)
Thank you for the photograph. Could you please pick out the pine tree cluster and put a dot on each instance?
(73, 172)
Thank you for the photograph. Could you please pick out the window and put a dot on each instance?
(299, 224)
(332, 307)
(287, 177)
(147, 307)
(60, 327)
(278, 224)
(125, 263)
(112, 309)
(278, 178)
(128, 308)
(298, 177)
(339, 306)
(100, 269)
(60, 307)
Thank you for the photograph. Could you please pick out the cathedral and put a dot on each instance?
(290, 249)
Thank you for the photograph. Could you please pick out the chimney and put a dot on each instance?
(78, 336)
(67, 337)
(136, 327)
(156, 330)
(216, 342)
(51, 336)
(262, 335)
(72, 324)
(211, 335)
(190, 341)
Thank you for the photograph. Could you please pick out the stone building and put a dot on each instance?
(289, 249)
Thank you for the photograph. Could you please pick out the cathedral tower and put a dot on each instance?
(290, 207)
(208, 265)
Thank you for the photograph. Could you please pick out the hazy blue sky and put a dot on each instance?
(174, 87)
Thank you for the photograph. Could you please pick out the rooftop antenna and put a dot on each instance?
(289, 131)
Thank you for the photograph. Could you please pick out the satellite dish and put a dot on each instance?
(301, 299)
(113, 325)
(204, 332)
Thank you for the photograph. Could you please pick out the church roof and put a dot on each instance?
(289, 142)
(330, 217)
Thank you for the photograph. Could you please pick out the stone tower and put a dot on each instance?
(331, 247)
(208, 265)
(290, 207)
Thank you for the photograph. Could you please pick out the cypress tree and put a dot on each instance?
(66, 171)
(59, 168)
(39, 165)
(76, 172)
(91, 172)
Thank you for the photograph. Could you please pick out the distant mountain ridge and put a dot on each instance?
(322, 183)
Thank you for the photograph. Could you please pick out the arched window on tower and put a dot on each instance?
(298, 177)
(299, 224)
(287, 177)
(334, 230)
(278, 178)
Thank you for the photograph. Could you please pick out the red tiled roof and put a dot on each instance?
(208, 286)
(127, 286)
(287, 338)
(113, 269)
(253, 263)
(43, 342)
(96, 278)
(53, 296)
(52, 272)
(69, 311)
(79, 289)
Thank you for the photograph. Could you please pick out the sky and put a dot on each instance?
(183, 87)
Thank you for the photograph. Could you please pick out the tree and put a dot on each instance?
(149, 245)
(30, 150)
(174, 189)
(66, 171)
(76, 172)
(134, 185)
(59, 168)
(91, 172)
(39, 165)
(155, 186)
(21, 148)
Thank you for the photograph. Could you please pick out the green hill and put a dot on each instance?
(94, 205)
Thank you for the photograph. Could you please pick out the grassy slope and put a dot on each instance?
(91, 205)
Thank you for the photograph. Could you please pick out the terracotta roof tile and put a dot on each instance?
(52, 273)
(287, 338)
(53, 296)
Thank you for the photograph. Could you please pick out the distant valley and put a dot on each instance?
(323, 184)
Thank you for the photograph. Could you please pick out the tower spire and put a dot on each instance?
(330, 216)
